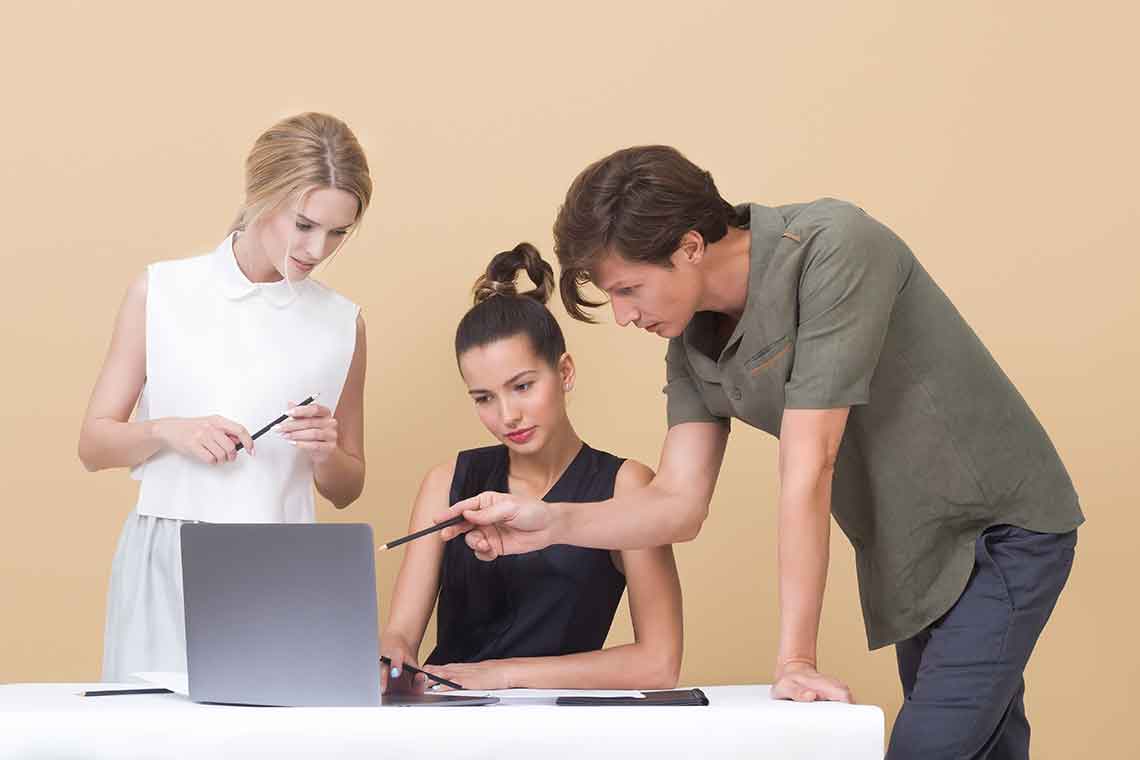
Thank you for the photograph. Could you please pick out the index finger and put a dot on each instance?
(309, 410)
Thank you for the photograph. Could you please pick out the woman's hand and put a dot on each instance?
(474, 676)
(801, 682)
(394, 677)
(210, 440)
(313, 429)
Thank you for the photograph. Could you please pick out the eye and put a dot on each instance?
(342, 233)
(304, 227)
(626, 291)
(523, 387)
(481, 400)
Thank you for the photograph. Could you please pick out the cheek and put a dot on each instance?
(547, 405)
(488, 416)
(332, 242)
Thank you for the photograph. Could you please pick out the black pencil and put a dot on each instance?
(116, 692)
(414, 669)
(420, 533)
(277, 421)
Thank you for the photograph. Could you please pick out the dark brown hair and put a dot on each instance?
(500, 311)
(637, 203)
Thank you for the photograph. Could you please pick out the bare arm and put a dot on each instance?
(653, 661)
(809, 444)
(106, 438)
(669, 509)
(417, 584)
(340, 477)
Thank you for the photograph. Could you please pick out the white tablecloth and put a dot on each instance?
(52, 721)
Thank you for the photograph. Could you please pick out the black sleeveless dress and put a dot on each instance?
(555, 601)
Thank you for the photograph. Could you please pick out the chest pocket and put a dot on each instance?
(762, 376)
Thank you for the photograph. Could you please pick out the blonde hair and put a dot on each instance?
(299, 154)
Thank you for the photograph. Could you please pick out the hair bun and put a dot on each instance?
(499, 278)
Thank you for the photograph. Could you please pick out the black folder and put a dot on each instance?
(673, 697)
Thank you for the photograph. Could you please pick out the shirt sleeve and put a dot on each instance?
(684, 402)
(847, 291)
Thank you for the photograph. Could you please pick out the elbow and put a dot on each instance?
(663, 672)
(342, 501)
(87, 456)
(691, 523)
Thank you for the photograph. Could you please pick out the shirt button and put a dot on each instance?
(736, 395)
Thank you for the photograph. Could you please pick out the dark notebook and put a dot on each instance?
(689, 697)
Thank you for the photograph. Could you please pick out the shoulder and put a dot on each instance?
(438, 478)
(632, 475)
(333, 298)
(180, 275)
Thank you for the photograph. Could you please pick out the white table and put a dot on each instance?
(52, 721)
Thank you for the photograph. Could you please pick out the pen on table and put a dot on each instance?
(277, 421)
(420, 533)
(414, 669)
(116, 692)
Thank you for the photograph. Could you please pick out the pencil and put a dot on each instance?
(116, 692)
(420, 533)
(414, 669)
(277, 421)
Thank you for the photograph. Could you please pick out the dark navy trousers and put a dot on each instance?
(962, 677)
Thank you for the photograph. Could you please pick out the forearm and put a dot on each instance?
(106, 443)
(630, 666)
(340, 478)
(804, 532)
(654, 515)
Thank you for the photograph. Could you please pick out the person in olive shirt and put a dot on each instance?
(815, 323)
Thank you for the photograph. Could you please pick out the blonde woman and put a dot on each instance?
(211, 346)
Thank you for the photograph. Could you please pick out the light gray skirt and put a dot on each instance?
(146, 626)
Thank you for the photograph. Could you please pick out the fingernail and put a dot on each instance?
(292, 412)
(291, 441)
(395, 672)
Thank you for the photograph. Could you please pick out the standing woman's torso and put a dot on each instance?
(555, 601)
(217, 343)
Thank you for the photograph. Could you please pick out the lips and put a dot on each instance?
(302, 265)
(521, 436)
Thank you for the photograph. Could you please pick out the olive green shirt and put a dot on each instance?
(939, 445)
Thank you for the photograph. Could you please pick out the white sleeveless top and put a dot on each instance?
(217, 343)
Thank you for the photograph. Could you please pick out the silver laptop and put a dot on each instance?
(286, 615)
(281, 614)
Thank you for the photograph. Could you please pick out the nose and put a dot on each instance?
(316, 244)
(509, 414)
(623, 313)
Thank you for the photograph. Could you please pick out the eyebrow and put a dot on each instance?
(473, 391)
(307, 220)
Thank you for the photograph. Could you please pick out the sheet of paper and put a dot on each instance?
(178, 683)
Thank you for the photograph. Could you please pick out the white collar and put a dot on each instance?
(236, 286)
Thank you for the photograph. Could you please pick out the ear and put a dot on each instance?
(692, 247)
(566, 372)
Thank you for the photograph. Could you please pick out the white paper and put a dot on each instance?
(178, 683)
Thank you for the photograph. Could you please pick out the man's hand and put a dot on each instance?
(801, 682)
(501, 523)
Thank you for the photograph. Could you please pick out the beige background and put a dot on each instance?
(999, 139)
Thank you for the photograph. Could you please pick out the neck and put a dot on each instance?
(252, 261)
(725, 268)
(541, 470)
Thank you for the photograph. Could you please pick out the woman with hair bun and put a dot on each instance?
(539, 619)
(209, 345)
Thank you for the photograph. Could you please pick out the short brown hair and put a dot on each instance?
(638, 203)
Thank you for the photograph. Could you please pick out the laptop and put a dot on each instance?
(284, 614)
